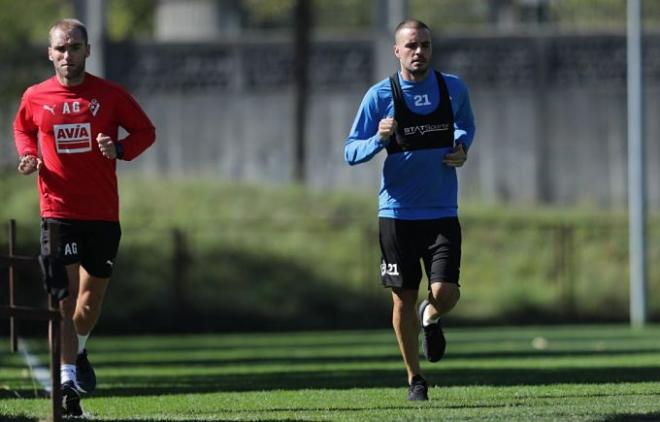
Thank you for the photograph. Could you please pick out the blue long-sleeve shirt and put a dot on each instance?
(415, 185)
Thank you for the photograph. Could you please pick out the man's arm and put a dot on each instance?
(463, 117)
(370, 132)
(141, 132)
(26, 135)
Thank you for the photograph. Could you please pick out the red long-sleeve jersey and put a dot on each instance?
(60, 124)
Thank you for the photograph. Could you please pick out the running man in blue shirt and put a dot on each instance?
(423, 119)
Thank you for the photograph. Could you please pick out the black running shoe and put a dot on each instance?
(85, 373)
(71, 400)
(418, 390)
(434, 342)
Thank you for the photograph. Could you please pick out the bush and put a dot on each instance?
(198, 255)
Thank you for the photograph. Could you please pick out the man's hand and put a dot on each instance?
(456, 158)
(386, 128)
(28, 164)
(106, 146)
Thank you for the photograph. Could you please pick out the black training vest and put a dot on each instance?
(417, 131)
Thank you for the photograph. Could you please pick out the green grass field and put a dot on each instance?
(570, 373)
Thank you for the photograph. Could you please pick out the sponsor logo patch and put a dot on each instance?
(423, 129)
(73, 138)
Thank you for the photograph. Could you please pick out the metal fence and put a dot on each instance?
(494, 61)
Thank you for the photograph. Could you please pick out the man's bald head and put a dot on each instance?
(410, 23)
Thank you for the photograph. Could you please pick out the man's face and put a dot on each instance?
(68, 52)
(413, 49)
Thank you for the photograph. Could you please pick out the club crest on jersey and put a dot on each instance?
(73, 138)
(94, 106)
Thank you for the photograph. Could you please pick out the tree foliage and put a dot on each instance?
(130, 19)
(25, 23)
(28, 21)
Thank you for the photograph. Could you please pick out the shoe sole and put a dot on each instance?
(420, 311)
(71, 406)
(422, 398)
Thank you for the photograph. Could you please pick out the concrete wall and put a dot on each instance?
(551, 115)
(579, 159)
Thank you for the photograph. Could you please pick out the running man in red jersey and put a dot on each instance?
(66, 129)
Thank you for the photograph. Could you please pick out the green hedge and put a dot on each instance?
(204, 255)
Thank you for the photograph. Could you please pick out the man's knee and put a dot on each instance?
(87, 306)
(444, 295)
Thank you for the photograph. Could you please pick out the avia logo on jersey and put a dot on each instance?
(73, 138)
(423, 129)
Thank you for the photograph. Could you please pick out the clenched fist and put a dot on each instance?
(457, 157)
(386, 128)
(106, 146)
(29, 164)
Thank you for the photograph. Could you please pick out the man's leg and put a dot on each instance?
(406, 328)
(442, 299)
(90, 301)
(88, 309)
(67, 309)
(401, 271)
(70, 393)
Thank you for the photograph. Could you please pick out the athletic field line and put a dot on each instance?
(38, 371)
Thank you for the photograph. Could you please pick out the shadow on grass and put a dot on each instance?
(404, 406)
(5, 418)
(380, 379)
(9, 418)
(638, 417)
(355, 378)
(254, 361)
(394, 357)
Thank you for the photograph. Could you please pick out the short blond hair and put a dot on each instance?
(67, 25)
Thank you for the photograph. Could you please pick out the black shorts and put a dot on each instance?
(93, 244)
(403, 243)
